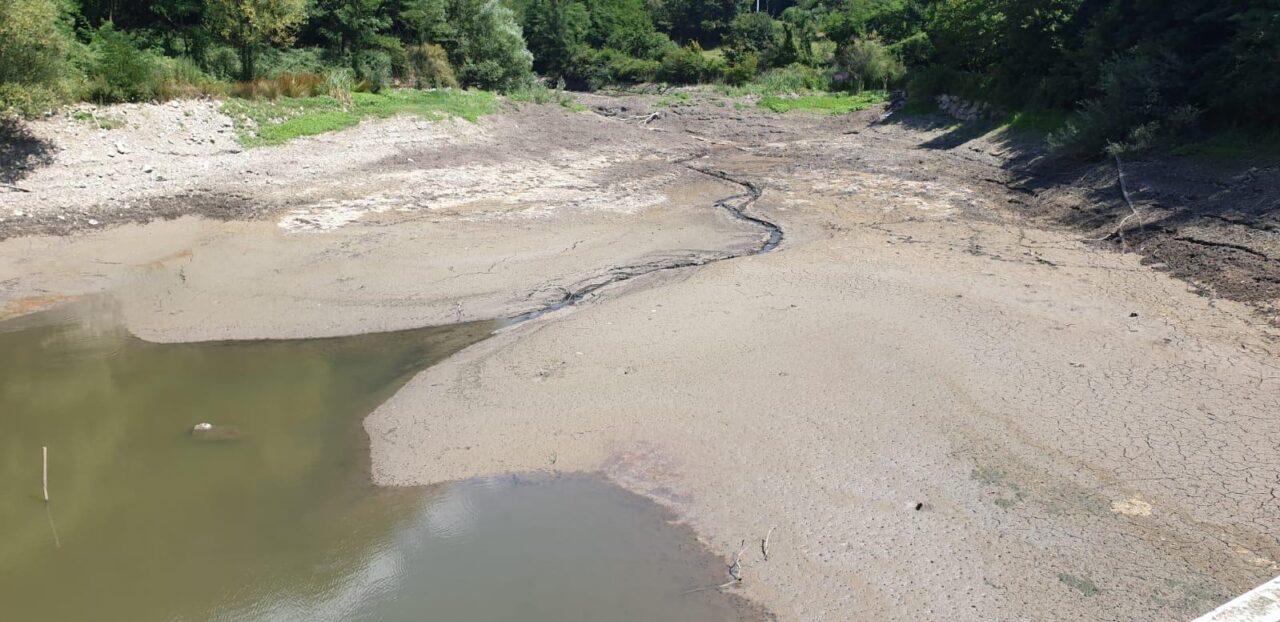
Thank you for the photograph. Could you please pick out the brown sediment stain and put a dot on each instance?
(31, 304)
(164, 261)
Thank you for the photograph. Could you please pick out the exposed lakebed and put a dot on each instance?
(148, 523)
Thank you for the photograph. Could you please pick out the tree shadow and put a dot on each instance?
(21, 152)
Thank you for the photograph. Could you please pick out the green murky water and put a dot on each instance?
(147, 523)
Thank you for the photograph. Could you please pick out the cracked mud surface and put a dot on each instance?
(1086, 438)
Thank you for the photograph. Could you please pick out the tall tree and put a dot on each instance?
(423, 21)
(350, 26)
(489, 50)
(249, 24)
(554, 30)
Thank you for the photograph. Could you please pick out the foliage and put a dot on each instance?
(688, 65)
(867, 62)
(249, 24)
(790, 80)
(540, 94)
(1140, 94)
(754, 33)
(34, 44)
(118, 71)
(490, 51)
(555, 30)
(272, 122)
(429, 67)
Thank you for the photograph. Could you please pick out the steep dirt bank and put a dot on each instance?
(1214, 224)
(932, 406)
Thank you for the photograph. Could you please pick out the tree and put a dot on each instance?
(249, 24)
(867, 62)
(754, 33)
(554, 30)
(624, 25)
(351, 27)
(489, 50)
(33, 47)
(423, 21)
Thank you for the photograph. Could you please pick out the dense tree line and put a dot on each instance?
(1129, 69)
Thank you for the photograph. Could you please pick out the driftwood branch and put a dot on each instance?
(1133, 211)
(764, 544)
(735, 570)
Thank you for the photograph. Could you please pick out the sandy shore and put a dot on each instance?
(932, 408)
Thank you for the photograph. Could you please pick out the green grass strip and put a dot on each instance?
(829, 103)
(274, 122)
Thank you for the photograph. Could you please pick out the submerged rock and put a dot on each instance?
(210, 432)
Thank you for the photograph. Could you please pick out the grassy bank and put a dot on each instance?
(830, 103)
(272, 122)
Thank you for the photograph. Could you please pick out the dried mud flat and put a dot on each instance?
(930, 404)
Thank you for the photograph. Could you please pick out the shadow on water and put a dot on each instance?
(282, 522)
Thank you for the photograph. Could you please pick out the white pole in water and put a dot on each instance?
(45, 454)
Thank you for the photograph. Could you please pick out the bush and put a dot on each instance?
(866, 62)
(742, 71)
(428, 66)
(627, 69)
(118, 71)
(689, 65)
(538, 93)
(1139, 101)
(793, 79)
(222, 62)
(754, 33)
(283, 85)
(182, 78)
(33, 48)
(272, 62)
(490, 51)
(374, 71)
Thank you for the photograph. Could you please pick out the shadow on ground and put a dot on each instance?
(21, 152)
(1214, 224)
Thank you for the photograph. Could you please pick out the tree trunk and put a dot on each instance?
(246, 62)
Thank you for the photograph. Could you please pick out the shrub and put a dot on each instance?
(428, 66)
(1138, 101)
(628, 69)
(274, 61)
(283, 85)
(793, 79)
(222, 62)
(538, 93)
(742, 71)
(374, 71)
(490, 50)
(866, 62)
(118, 71)
(33, 48)
(754, 33)
(182, 78)
(689, 65)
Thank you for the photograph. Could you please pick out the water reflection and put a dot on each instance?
(283, 524)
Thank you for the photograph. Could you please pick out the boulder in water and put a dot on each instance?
(210, 432)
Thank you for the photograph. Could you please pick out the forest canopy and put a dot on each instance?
(1123, 70)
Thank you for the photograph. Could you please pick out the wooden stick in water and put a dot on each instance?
(45, 454)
